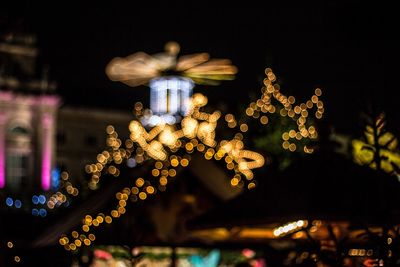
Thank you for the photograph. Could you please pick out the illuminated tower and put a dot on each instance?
(27, 117)
(171, 80)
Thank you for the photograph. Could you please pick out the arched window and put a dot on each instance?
(18, 130)
(18, 157)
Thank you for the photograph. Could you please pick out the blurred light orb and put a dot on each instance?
(9, 201)
(172, 48)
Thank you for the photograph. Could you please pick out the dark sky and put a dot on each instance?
(347, 49)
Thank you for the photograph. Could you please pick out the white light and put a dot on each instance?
(277, 232)
(154, 120)
(170, 95)
(169, 119)
(131, 163)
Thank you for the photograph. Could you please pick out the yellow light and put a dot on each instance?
(189, 146)
(62, 241)
(234, 181)
(244, 128)
(87, 242)
(10, 244)
(92, 237)
(78, 243)
(200, 147)
(155, 172)
(122, 203)
(229, 117)
(142, 195)
(174, 162)
(121, 210)
(17, 259)
(135, 190)
(292, 147)
(138, 106)
(251, 185)
(110, 129)
(108, 219)
(172, 172)
(264, 119)
(314, 99)
(88, 219)
(85, 228)
(163, 180)
(74, 234)
(150, 189)
(139, 182)
(64, 176)
(285, 136)
(158, 165)
(114, 213)
(184, 162)
(230, 166)
(249, 112)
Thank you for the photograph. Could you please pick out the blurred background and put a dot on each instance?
(78, 188)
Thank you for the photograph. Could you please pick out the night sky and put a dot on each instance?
(349, 50)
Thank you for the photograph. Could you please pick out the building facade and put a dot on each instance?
(38, 135)
(28, 112)
(81, 135)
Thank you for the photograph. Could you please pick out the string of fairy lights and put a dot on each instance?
(196, 132)
(299, 113)
(42, 203)
(170, 145)
(161, 145)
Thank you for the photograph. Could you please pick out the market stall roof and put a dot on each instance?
(322, 186)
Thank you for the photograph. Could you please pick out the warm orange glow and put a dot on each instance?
(160, 143)
(139, 68)
(299, 113)
(290, 228)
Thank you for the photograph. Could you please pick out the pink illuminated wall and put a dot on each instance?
(29, 109)
(48, 106)
(2, 154)
(47, 124)
(4, 97)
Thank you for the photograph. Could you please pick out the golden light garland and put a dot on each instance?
(290, 228)
(161, 143)
(298, 113)
(196, 132)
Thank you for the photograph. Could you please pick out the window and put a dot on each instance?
(18, 158)
(17, 171)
